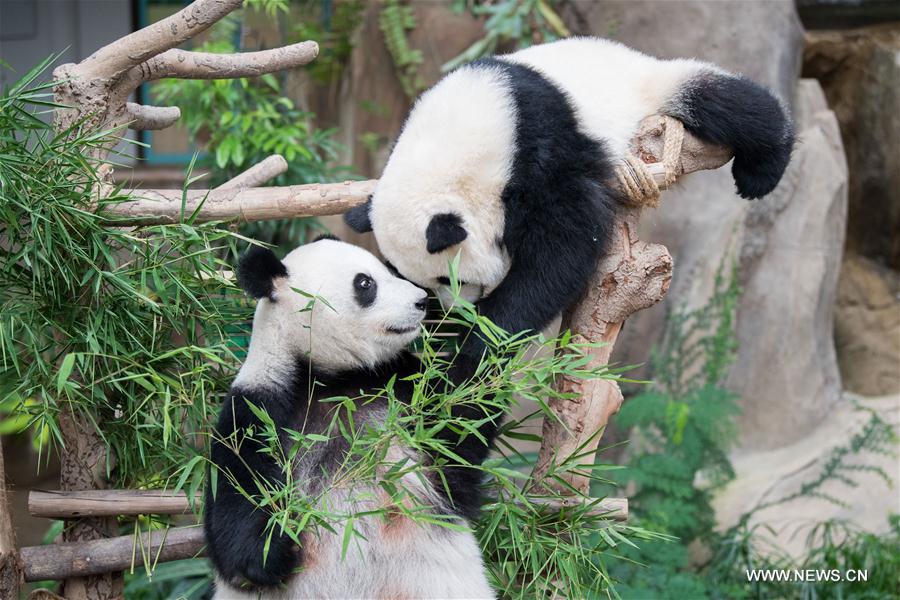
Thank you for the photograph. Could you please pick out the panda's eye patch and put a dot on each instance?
(364, 289)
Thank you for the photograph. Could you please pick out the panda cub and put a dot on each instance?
(298, 357)
(508, 161)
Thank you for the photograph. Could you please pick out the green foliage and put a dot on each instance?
(395, 19)
(518, 22)
(333, 31)
(685, 424)
(681, 429)
(127, 326)
(836, 547)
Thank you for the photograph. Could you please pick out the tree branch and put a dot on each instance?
(145, 117)
(632, 276)
(114, 59)
(254, 204)
(269, 168)
(10, 563)
(182, 64)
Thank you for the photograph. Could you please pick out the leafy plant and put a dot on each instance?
(394, 20)
(519, 22)
(126, 326)
(681, 428)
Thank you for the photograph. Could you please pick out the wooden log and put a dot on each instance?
(97, 557)
(239, 204)
(60, 504)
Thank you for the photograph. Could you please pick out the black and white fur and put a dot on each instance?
(507, 162)
(298, 357)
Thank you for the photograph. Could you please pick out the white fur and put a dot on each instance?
(612, 86)
(454, 155)
(333, 330)
(456, 150)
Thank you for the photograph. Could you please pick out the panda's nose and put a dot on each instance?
(422, 303)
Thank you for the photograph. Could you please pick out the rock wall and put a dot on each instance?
(860, 72)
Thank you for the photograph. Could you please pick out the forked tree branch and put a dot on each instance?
(112, 60)
(99, 87)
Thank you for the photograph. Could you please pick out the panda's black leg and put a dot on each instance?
(235, 527)
(742, 115)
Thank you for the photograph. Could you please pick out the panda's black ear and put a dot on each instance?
(327, 236)
(444, 230)
(257, 271)
(358, 218)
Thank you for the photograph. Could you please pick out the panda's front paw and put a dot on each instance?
(757, 177)
(248, 570)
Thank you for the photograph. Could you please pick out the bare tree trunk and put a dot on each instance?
(84, 467)
(10, 564)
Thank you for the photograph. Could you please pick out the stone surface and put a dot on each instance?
(789, 246)
(860, 72)
(765, 476)
(867, 326)
(762, 40)
(790, 257)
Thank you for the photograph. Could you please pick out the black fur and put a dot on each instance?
(235, 529)
(444, 231)
(358, 217)
(737, 113)
(327, 236)
(560, 208)
(365, 290)
(256, 271)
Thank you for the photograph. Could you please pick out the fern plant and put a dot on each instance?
(681, 428)
(395, 20)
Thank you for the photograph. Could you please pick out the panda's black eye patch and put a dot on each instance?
(364, 290)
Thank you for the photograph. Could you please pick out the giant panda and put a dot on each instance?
(507, 162)
(352, 340)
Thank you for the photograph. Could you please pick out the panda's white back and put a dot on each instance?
(611, 86)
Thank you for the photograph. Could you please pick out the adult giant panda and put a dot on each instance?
(507, 162)
(353, 339)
